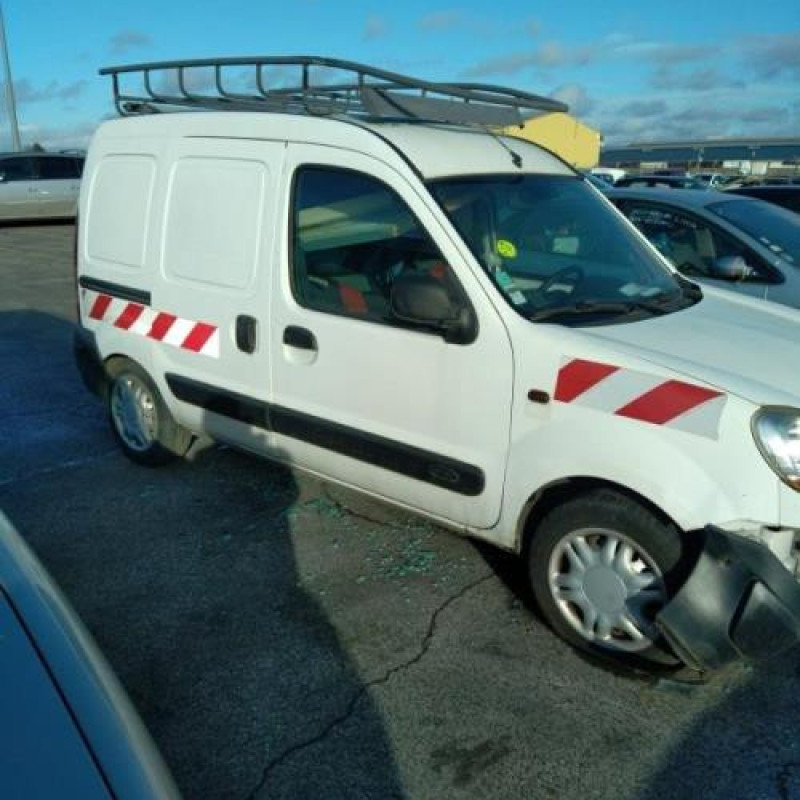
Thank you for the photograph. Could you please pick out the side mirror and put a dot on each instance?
(424, 300)
(731, 268)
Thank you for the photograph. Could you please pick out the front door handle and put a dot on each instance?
(298, 337)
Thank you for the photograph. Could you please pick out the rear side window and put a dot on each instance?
(16, 169)
(351, 237)
(57, 168)
(119, 210)
(213, 222)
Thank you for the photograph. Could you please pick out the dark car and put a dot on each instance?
(786, 195)
(660, 182)
(69, 730)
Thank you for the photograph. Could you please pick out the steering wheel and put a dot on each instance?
(575, 272)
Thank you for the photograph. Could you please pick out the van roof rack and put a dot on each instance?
(241, 84)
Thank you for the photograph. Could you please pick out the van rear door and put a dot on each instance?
(218, 234)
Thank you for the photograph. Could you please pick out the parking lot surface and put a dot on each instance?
(284, 638)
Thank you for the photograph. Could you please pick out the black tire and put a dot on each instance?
(592, 521)
(154, 439)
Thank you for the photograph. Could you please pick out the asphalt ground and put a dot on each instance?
(283, 638)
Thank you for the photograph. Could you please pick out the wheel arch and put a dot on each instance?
(546, 498)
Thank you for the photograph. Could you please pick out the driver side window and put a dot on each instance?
(352, 236)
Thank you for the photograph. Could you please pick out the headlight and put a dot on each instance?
(777, 434)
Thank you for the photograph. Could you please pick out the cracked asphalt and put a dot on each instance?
(283, 638)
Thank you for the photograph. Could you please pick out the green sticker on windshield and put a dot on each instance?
(506, 249)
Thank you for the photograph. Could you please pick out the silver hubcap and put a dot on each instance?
(134, 412)
(607, 588)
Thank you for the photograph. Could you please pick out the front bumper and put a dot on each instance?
(740, 601)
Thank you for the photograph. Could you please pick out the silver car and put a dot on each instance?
(726, 240)
(39, 185)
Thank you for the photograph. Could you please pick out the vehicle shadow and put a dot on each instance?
(187, 577)
(756, 718)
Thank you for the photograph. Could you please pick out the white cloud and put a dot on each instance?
(128, 40)
(25, 92)
(376, 27)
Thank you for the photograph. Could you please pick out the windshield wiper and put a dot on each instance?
(653, 306)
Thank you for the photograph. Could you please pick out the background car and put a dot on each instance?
(721, 238)
(660, 181)
(39, 185)
(69, 730)
(599, 182)
(787, 195)
(710, 179)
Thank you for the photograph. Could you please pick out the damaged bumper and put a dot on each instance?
(740, 601)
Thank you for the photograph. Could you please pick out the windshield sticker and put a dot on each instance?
(506, 249)
(517, 298)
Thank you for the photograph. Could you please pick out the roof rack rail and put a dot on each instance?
(241, 84)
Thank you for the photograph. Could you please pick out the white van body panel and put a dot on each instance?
(709, 474)
(469, 402)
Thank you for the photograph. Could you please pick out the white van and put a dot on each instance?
(360, 280)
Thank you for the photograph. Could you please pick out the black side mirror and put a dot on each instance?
(731, 268)
(424, 300)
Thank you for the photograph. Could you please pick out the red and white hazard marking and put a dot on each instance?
(187, 334)
(640, 396)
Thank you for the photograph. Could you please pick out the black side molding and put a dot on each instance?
(423, 465)
(381, 452)
(115, 290)
(228, 404)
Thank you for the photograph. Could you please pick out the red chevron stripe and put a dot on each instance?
(161, 325)
(100, 306)
(198, 336)
(131, 313)
(579, 376)
(666, 402)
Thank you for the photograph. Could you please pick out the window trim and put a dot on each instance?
(40, 159)
(770, 276)
(388, 322)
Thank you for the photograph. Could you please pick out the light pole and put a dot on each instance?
(11, 104)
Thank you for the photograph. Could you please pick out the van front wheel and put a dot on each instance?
(140, 421)
(601, 567)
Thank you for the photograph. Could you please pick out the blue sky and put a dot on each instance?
(636, 71)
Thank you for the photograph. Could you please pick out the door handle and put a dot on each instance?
(301, 338)
(246, 333)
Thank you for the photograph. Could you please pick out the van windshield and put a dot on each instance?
(558, 252)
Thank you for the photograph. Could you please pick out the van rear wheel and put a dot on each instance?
(601, 567)
(140, 421)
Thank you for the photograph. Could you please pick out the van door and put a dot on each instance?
(388, 407)
(216, 233)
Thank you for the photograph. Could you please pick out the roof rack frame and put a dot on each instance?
(372, 93)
